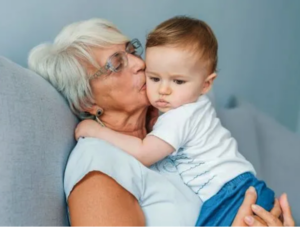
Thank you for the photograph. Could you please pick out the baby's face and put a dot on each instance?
(174, 77)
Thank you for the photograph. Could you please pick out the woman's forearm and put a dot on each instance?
(99, 200)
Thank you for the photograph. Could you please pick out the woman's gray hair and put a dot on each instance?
(62, 62)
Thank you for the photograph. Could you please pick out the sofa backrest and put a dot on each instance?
(36, 137)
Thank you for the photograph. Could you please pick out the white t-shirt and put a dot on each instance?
(165, 200)
(206, 155)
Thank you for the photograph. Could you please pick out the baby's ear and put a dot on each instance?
(208, 83)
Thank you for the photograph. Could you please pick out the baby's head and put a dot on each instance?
(181, 59)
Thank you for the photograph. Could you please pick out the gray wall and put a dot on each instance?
(298, 129)
(259, 49)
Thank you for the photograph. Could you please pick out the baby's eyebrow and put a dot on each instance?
(178, 76)
(153, 73)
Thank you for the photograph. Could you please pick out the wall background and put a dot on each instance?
(259, 40)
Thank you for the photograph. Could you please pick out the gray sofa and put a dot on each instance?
(36, 137)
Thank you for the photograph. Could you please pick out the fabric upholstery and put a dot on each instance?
(36, 137)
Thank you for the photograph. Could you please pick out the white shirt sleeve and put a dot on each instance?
(172, 127)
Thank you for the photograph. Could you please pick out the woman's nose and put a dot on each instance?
(136, 63)
(164, 89)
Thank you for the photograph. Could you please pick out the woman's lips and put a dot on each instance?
(143, 88)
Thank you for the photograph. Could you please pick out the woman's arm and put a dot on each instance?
(99, 200)
(148, 151)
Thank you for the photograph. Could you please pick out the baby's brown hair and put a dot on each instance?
(187, 32)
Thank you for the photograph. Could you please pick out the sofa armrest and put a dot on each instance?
(280, 157)
(279, 150)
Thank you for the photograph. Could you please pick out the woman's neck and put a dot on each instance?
(133, 124)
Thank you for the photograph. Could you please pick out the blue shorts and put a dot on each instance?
(221, 209)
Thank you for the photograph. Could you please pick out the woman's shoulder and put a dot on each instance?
(91, 154)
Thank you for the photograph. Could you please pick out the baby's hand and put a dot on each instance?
(87, 128)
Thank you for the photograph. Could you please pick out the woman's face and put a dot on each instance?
(122, 91)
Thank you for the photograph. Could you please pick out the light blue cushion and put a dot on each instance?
(36, 137)
(279, 151)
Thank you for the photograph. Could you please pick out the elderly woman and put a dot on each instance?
(101, 74)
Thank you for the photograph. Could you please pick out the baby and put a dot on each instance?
(181, 59)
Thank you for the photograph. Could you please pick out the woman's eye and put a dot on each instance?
(118, 67)
(179, 81)
(133, 52)
(155, 79)
(117, 64)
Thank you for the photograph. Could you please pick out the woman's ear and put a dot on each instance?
(93, 110)
(208, 83)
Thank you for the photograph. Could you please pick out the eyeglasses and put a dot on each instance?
(119, 60)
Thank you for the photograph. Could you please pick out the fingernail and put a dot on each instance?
(255, 207)
(249, 220)
(286, 197)
(251, 190)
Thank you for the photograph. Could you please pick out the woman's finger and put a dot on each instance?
(254, 221)
(268, 217)
(276, 210)
(286, 211)
(245, 208)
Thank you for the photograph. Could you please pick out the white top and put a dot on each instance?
(165, 200)
(206, 155)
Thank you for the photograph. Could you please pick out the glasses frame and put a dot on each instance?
(108, 67)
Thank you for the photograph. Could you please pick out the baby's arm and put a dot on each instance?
(148, 151)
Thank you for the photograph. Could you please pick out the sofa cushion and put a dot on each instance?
(279, 150)
(36, 137)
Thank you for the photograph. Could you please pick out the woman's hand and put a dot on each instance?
(87, 128)
(245, 216)
(271, 218)
(245, 208)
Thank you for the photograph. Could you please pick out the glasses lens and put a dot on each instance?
(118, 61)
(134, 47)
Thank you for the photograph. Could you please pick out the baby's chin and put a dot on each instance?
(163, 110)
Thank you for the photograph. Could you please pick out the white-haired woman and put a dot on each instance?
(100, 72)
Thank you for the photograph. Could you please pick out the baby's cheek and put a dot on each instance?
(185, 98)
(150, 93)
(179, 101)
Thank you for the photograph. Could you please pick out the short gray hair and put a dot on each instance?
(61, 62)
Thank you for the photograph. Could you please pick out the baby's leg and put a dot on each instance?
(221, 209)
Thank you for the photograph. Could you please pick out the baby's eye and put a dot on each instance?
(179, 81)
(155, 79)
